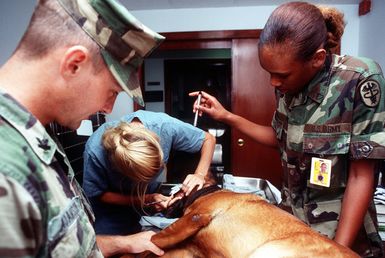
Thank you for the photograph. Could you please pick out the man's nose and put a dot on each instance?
(107, 108)
(275, 82)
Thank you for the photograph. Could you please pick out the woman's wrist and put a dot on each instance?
(200, 173)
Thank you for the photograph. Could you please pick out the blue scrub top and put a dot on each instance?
(99, 175)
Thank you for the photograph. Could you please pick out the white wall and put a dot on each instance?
(154, 72)
(15, 14)
(14, 18)
(372, 33)
(236, 18)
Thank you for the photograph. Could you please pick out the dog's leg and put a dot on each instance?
(181, 229)
(178, 253)
(172, 253)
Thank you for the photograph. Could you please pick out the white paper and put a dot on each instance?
(85, 128)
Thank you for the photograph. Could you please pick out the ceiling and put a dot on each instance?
(175, 4)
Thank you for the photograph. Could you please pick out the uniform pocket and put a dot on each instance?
(323, 216)
(330, 139)
(70, 234)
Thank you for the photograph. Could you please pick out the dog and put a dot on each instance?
(227, 224)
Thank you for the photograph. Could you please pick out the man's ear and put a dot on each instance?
(319, 58)
(73, 60)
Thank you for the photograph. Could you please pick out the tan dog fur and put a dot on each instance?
(228, 224)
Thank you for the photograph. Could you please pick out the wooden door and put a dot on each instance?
(252, 97)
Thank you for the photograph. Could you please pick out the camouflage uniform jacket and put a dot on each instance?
(43, 211)
(339, 116)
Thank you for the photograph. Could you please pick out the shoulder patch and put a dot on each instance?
(370, 93)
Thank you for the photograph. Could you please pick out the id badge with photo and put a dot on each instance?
(320, 172)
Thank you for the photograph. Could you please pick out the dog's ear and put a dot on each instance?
(175, 210)
(181, 229)
(210, 180)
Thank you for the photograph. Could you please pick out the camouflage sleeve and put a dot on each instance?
(20, 220)
(368, 131)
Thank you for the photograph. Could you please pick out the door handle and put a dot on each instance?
(240, 142)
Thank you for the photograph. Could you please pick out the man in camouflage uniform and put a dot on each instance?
(339, 117)
(73, 60)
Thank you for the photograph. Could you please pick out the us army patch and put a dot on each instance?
(370, 93)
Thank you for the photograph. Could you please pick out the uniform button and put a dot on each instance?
(286, 193)
(292, 172)
(302, 166)
(339, 145)
(316, 214)
(293, 195)
(310, 145)
(365, 148)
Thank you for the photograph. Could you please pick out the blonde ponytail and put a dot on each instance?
(134, 151)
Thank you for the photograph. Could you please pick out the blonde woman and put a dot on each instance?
(125, 159)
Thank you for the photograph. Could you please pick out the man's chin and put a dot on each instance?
(73, 126)
(77, 125)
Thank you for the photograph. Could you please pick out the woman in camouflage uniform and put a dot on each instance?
(330, 109)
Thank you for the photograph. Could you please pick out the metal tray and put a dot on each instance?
(237, 184)
(249, 185)
(165, 188)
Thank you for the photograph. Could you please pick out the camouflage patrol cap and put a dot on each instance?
(124, 40)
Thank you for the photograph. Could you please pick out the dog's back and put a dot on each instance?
(228, 224)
